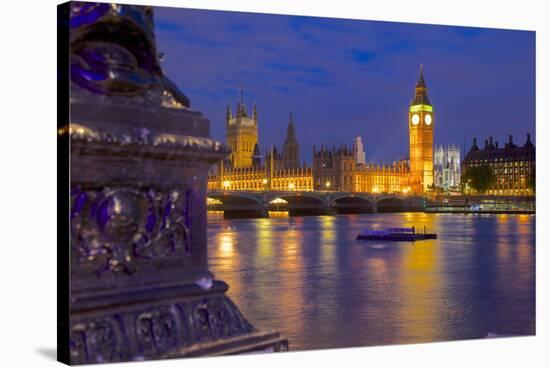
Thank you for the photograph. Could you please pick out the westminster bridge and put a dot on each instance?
(238, 203)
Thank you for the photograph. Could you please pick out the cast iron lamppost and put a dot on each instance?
(140, 287)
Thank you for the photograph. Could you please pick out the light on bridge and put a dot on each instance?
(212, 201)
(327, 184)
(278, 201)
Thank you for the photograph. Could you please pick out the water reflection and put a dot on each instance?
(310, 279)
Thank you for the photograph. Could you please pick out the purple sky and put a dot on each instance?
(344, 78)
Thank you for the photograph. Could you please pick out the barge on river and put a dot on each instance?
(396, 234)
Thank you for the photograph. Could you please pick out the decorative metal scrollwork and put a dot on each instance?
(218, 318)
(155, 331)
(158, 330)
(98, 340)
(113, 229)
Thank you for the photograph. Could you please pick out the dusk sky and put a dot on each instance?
(344, 78)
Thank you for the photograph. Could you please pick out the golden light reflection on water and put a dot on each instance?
(265, 245)
(513, 243)
(310, 279)
(420, 284)
(523, 218)
(328, 236)
(524, 258)
(378, 267)
(504, 247)
(227, 259)
(226, 245)
(284, 251)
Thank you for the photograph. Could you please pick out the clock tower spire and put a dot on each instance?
(421, 125)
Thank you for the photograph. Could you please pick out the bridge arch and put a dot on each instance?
(302, 203)
(392, 204)
(240, 205)
(353, 204)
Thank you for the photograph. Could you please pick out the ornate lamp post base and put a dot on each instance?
(140, 287)
(171, 322)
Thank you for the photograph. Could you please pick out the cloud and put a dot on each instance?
(361, 56)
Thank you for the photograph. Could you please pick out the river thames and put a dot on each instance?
(310, 279)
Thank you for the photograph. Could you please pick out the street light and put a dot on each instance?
(327, 185)
(291, 186)
(226, 184)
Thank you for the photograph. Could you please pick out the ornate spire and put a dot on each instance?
(421, 92)
(421, 83)
(255, 113)
(241, 107)
(290, 129)
(228, 113)
(242, 87)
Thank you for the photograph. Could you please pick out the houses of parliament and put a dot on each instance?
(335, 168)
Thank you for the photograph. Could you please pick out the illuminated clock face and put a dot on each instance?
(428, 119)
(415, 119)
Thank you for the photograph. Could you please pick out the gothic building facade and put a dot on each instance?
(246, 170)
(289, 157)
(447, 167)
(340, 168)
(241, 134)
(336, 169)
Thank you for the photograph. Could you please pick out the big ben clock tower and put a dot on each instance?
(421, 137)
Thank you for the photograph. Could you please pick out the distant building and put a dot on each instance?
(335, 169)
(241, 134)
(358, 151)
(244, 169)
(447, 167)
(513, 165)
(291, 149)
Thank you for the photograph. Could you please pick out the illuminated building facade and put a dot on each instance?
(241, 134)
(513, 165)
(333, 169)
(336, 169)
(261, 179)
(447, 167)
(421, 137)
(374, 178)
